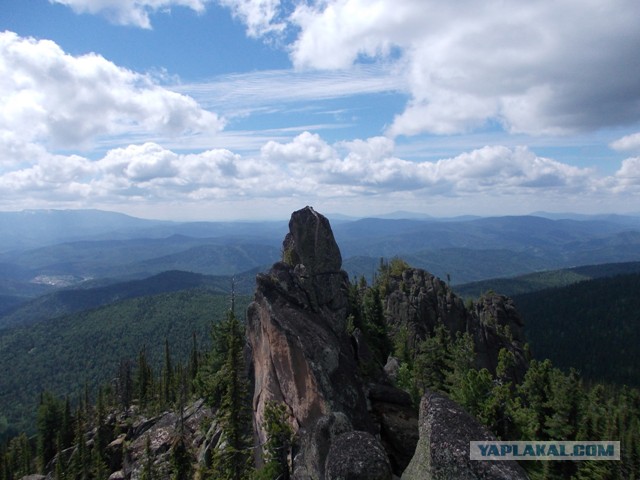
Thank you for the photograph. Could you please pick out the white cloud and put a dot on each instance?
(629, 172)
(305, 166)
(626, 143)
(275, 88)
(538, 68)
(130, 12)
(260, 16)
(545, 67)
(49, 96)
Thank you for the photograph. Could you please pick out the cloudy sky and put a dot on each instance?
(225, 109)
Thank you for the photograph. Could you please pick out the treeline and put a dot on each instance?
(71, 443)
(592, 326)
(63, 354)
(549, 403)
(72, 435)
(545, 403)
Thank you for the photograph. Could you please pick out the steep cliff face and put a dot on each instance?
(420, 301)
(302, 355)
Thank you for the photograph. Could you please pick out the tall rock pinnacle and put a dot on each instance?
(302, 355)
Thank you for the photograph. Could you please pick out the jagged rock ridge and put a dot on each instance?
(419, 301)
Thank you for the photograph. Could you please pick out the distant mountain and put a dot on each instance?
(72, 300)
(140, 257)
(31, 229)
(546, 279)
(592, 326)
(463, 249)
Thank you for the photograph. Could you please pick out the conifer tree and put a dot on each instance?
(144, 378)
(124, 384)
(80, 465)
(167, 376)
(375, 325)
(193, 361)
(148, 470)
(49, 423)
(232, 460)
(67, 428)
(433, 361)
(279, 443)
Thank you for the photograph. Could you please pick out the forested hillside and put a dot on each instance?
(545, 403)
(592, 326)
(88, 296)
(532, 282)
(64, 354)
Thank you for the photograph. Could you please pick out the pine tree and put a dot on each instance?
(193, 361)
(144, 379)
(433, 361)
(67, 428)
(279, 443)
(148, 469)
(124, 384)
(375, 325)
(167, 376)
(49, 423)
(80, 465)
(231, 461)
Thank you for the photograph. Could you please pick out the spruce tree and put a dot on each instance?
(167, 376)
(148, 469)
(193, 361)
(49, 423)
(144, 379)
(232, 460)
(124, 384)
(279, 443)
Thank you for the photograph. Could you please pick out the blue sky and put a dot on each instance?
(234, 109)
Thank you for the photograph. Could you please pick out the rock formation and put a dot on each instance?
(419, 301)
(303, 357)
(443, 450)
(302, 354)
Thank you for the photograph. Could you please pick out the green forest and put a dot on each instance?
(592, 326)
(165, 351)
(66, 354)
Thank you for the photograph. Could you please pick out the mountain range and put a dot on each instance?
(42, 251)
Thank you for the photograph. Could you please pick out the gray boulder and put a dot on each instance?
(357, 456)
(443, 449)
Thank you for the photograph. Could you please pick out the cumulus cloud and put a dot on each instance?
(306, 167)
(629, 172)
(260, 16)
(49, 96)
(538, 68)
(127, 12)
(626, 143)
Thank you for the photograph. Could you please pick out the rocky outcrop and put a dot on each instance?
(302, 354)
(443, 449)
(357, 456)
(149, 439)
(397, 421)
(419, 301)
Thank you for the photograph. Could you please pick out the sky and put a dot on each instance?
(250, 109)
